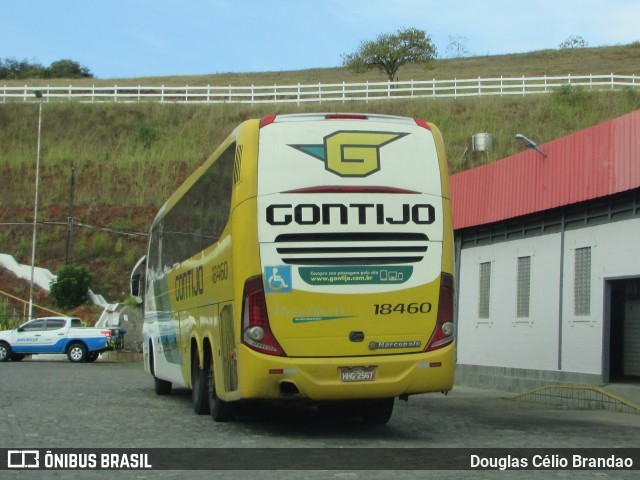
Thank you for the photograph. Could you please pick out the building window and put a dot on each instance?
(582, 282)
(523, 287)
(485, 290)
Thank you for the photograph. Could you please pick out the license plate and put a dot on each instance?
(357, 374)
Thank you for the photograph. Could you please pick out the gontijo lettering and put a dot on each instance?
(190, 283)
(352, 213)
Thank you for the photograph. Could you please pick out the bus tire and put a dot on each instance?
(339, 409)
(199, 390)
(220, 410)
(378, 411)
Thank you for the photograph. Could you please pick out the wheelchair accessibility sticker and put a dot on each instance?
(278, 279)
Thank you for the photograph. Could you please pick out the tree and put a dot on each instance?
(12, 69)
(71, 287)
(390, 51)
(457, 47)
(68, 69)
(574, 41)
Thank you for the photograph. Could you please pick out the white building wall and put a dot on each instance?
(615, 253)
(503, 340)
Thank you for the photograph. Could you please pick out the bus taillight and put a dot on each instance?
(445, 329)
(421, 123)
(268, 120)
(256, 333)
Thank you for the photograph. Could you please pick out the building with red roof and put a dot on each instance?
(548, 250)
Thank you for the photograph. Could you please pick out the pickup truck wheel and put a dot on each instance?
(92, 357)
(77, 352)
(5, 352)
(220, 410)
(199, 386)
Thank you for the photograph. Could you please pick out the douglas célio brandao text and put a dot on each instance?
(551, 461)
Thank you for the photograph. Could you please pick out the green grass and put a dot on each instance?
(619, 59)
(128, 158)
(134, 155)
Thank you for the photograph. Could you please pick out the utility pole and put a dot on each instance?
(67, 258)
(38, 95)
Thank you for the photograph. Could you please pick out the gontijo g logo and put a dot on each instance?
(351, 153)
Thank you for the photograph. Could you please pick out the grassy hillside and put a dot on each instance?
(127, 158)
(620, 59)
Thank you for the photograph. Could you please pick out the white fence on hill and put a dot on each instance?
(340, 92)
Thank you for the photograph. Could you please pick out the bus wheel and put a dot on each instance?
(220, 410)
(339, 409)
(378, 411)
(199, 390)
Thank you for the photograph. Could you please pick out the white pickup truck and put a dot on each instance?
(63, 335)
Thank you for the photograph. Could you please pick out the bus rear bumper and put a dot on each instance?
(318, 379)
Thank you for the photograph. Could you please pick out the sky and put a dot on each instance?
(147, 38)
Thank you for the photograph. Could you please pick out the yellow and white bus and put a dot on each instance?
(310, 257)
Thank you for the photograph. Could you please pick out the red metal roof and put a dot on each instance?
(592, 163)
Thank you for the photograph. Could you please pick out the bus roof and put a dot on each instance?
(306, 117)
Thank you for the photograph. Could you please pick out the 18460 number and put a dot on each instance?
(411, 308)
